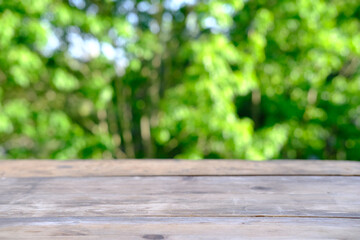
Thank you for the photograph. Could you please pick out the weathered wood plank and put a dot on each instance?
(260, 200)
(179, 228)
(181, 196)
(46, 168)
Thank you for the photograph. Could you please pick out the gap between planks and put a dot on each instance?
(158, 220)
(8, 221)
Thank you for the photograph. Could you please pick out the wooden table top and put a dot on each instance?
(169, 199)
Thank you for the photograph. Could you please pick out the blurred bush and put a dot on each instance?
(180, 78)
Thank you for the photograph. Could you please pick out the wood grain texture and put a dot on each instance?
(167, 199)
(279, 196)
(179, 228)
(46, 168)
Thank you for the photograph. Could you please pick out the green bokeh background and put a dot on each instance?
(187, 79)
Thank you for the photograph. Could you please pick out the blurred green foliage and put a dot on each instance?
(180, 78)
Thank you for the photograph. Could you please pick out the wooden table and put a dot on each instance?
(167, 199)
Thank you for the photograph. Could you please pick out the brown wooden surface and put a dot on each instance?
(158, 199)
(46, 168)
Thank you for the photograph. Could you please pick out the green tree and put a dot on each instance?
(187, 79)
